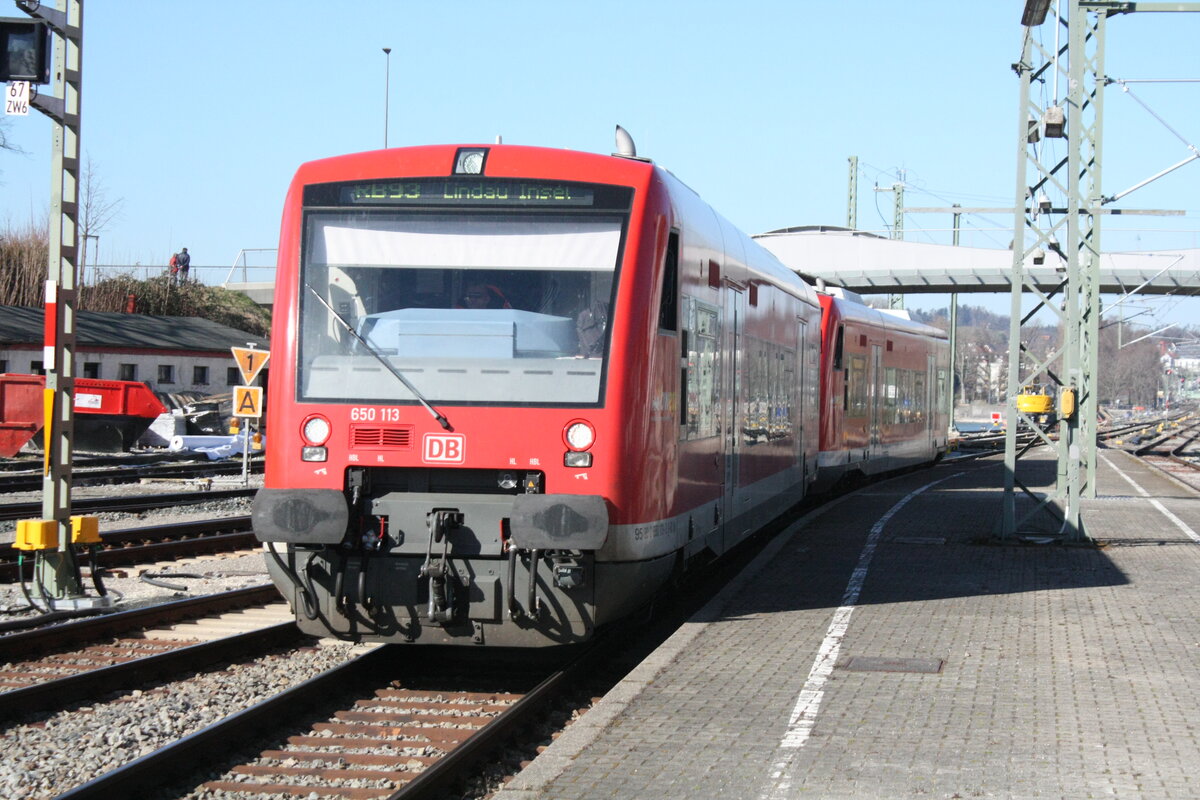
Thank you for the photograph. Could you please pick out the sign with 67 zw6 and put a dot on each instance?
(16, 99)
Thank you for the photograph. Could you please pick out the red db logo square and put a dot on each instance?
(444, 448)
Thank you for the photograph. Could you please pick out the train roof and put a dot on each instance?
(759, 262)
(848, 310)
(500, 161)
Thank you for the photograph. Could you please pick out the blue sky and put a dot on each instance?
(197, 114)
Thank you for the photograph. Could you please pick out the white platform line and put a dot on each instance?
(808, 703)
(1183, 526)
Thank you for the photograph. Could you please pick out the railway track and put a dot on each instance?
(1111, 432)
(1175, 451)
(30, 462)
(366, 730)
(29, 480)
(156, 543)
(92, 505)
(50, 667)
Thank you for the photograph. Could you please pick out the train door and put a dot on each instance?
(930, 401)
(876, 402)
(801, 401)
(731, 346)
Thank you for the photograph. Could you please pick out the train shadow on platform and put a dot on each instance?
(941, 544)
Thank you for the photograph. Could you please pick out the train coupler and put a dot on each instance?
(533, 607)
(437, 570)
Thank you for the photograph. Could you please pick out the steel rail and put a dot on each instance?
(33, 463)
(31, 642)
(1165, 438)
(85, 505)
(434, 780)
(129, 474)
(200, 527)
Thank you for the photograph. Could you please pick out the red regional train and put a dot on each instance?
(516, 389)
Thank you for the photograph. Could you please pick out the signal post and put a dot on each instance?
(56, 573)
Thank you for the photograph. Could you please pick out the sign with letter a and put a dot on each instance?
(247, 401)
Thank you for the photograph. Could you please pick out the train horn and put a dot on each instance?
(625, 145)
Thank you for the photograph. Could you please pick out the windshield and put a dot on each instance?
(470, 306)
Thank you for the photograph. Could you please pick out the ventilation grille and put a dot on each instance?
(398, 437)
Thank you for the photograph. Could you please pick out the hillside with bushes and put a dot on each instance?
(23, 258)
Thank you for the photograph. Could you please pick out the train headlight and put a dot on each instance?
(315, 430)
(469, 161)
(574, 459)
(314, 454)
(579, 435)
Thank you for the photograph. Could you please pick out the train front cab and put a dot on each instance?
(446, 470)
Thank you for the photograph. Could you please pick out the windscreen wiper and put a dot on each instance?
(445, 423)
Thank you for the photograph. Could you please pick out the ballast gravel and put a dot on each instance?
(42, 756)
(45, 755)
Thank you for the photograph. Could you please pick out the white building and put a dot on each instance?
(168, 354)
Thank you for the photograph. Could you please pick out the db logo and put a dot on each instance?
(445, 448)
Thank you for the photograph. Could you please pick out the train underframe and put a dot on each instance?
(518, 570)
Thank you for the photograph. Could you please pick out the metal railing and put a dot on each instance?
(92, 274)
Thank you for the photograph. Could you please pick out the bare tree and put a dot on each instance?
(96, 209)
(1130, 365)
(4, 143)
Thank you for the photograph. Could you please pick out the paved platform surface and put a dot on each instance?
(1065, 672)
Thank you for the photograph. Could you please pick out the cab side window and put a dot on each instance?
(668, 309)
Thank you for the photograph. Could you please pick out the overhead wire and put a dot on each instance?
(966, 215)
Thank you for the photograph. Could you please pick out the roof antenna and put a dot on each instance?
(625, 145)
(499, 139)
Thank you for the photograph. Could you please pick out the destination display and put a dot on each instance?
(474, 191)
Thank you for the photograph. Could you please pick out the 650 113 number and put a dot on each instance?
(374, 414)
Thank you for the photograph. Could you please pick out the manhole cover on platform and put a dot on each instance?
(930, 666)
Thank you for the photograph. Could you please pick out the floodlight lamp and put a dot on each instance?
(1035, 12)
(1039, 255)
(1055, 120)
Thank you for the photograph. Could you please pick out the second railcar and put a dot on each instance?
(885, 391)
(516, 388)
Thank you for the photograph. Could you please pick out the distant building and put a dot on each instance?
(168, 354)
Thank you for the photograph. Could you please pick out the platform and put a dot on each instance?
(884, 647)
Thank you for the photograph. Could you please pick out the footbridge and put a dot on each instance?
(870, 264)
